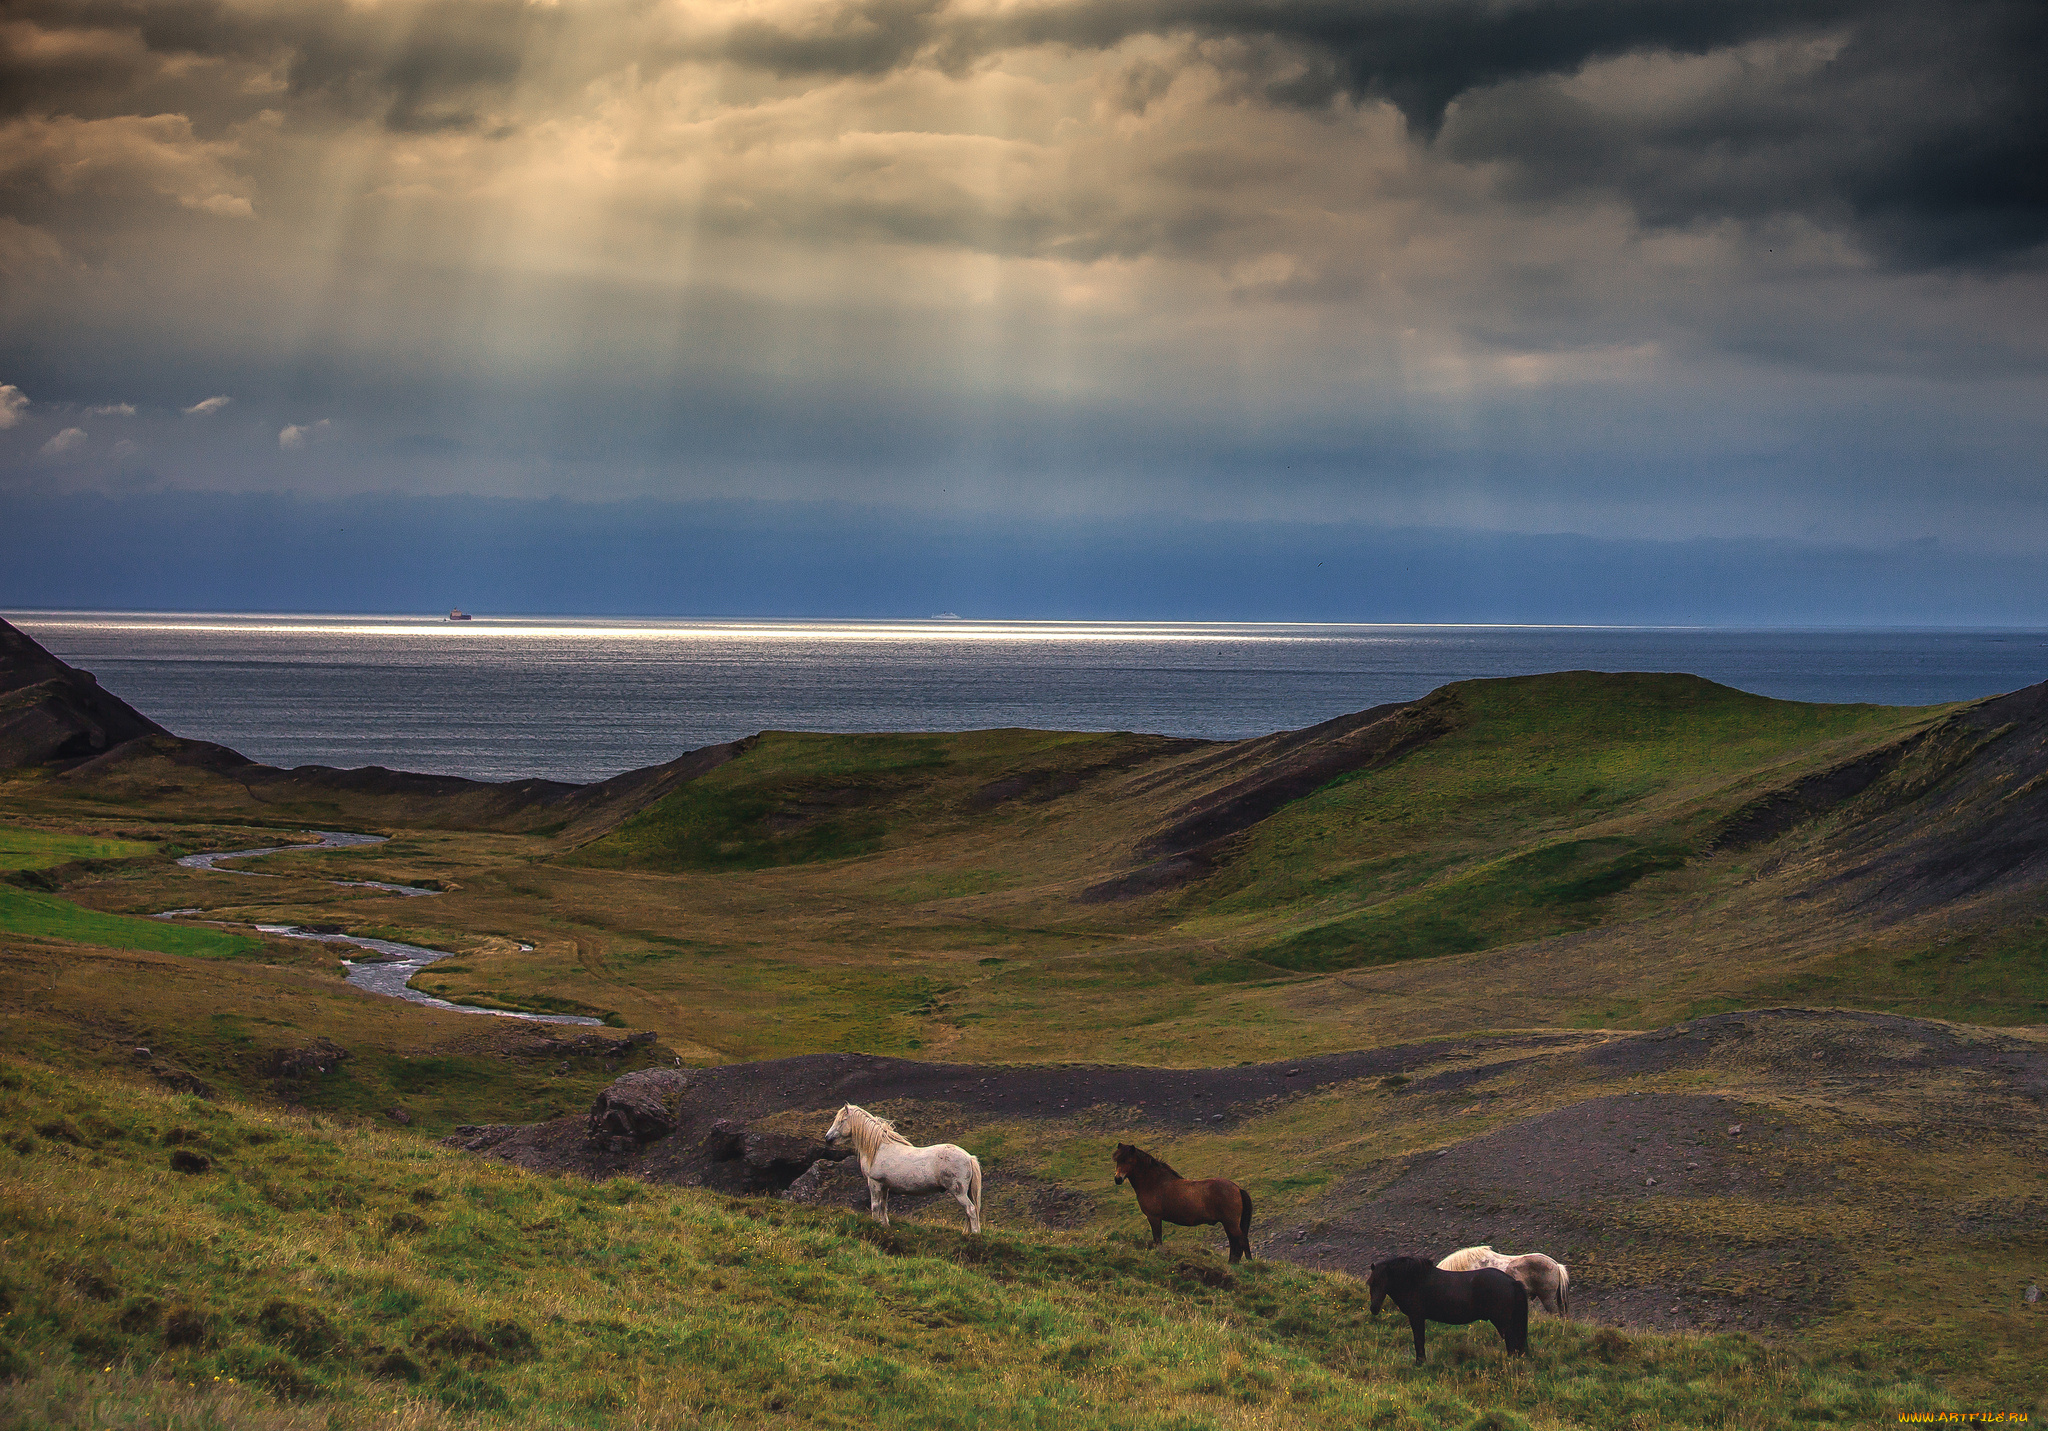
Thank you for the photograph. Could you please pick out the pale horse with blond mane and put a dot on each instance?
(891, 1164)
(1545, 1279)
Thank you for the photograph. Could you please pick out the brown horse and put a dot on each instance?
(1165, 1196)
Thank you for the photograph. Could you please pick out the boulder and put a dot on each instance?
(754, 1160)
(830, 1182)
(638, 1108)
(723, 1141)
(775, 1160)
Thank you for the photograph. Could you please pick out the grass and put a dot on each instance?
(1995, 974)
(1548, 863)
(786, 901)
(24, 849)
(792, 799)
(1528, 894)
(22, 912)
(385, 1281)
(1551, 797)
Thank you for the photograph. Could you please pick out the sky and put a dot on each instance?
(1768, 280)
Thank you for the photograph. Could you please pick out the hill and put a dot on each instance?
(182, 1255)
(1513, 961)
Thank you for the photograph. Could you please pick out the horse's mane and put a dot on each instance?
(1399, 1271)
(870, 1132)
(1142, 1161)
(1468, 1259)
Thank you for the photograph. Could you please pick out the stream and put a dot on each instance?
(390, 973)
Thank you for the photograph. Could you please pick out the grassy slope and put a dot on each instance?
(1995, 973)
(363, 1269)
(1876, 1182)
(1555, 794)
(224, 1022)
(941, 923)
(27, 849)
(882, 907)
(712, 918)
(22, 912)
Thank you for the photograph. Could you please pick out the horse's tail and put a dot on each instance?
(1564, 1290)
(1244, 1228)
(974, 1183)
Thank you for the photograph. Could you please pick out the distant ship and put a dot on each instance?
(460, 615)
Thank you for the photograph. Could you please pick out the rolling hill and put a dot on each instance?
(1473, 967)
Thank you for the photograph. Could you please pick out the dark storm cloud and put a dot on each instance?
(1421, 55)
(1926, 135)
(1418, 54)
(449, 54)
(419, 66)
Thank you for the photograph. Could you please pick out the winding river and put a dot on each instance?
(390, 972)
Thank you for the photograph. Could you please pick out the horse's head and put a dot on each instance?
(1395, 1274)
(1376, 1283)
(842, 1126)
(1124, 1158)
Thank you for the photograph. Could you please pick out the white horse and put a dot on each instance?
(890, 1163)
(1545, 1279)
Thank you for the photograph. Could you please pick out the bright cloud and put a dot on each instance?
(297, 436)
(112, 409)
(63, 442)
(207, 407)
(13, 403)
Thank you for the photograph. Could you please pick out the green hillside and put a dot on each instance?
(24, 912)
(1553, 795)
(168, 1255)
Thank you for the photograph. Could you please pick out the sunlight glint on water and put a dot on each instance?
(579, 699)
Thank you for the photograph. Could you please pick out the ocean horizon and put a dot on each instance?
(581, 698)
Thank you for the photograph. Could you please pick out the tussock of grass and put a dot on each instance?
(390, 1282)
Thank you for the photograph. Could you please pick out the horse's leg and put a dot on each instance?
(878, 1201)
(1158, 1232)
(1415, 1325)
(1513, 1326)
(967, 1206)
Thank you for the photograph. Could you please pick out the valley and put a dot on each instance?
(1738, 1006)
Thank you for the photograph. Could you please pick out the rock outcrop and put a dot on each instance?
(638, 1108)
(663, 1125)
(827, 1183)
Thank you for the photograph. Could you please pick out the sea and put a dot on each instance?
(579, 699)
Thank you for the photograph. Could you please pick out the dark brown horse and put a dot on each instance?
(1165, 1196)
(1428, 1293)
